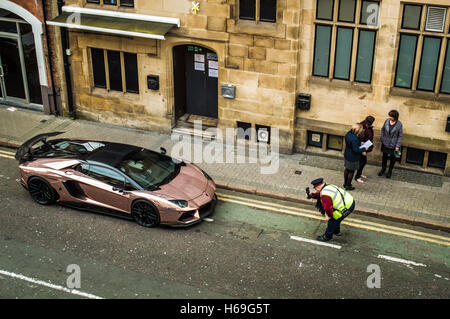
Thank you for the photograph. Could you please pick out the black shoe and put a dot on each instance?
(389, 174)
(349, 188)
(323, 238)
(380, 173)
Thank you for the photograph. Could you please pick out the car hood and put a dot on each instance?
(190, 183)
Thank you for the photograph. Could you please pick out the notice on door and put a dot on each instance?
(199, 58)
(213, 64)
(198, 66)
(213, 73)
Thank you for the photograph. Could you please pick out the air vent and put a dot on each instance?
(435, 19)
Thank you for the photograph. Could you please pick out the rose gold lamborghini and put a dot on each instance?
(119, 179)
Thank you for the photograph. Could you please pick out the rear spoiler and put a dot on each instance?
(25, 148)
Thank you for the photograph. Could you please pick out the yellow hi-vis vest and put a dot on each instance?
(339, 196)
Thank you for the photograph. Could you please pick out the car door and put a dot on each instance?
(104, 187)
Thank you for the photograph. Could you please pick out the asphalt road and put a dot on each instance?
(252, 247)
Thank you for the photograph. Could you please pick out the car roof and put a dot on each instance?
(112, 153)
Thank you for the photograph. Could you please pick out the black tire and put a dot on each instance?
(145, 213)
(41, 191)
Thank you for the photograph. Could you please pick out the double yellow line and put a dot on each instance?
(352, 222)
(7, 154)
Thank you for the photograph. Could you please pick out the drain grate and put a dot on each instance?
(408, 176)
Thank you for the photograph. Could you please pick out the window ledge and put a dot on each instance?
(340, 84)
(105, 93)
(276, 30)
(431, 96)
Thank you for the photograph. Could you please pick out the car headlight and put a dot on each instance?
(179, 202)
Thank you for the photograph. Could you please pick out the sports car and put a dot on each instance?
(113, 178)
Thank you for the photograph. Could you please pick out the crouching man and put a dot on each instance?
(335, 203)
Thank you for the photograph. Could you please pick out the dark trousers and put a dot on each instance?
(362, 163)
(334, 225)
(391, 158)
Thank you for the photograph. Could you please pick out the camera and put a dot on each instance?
(308, 193)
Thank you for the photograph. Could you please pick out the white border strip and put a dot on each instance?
(112, 31)
(46, 284)
(123, 15)
(316, 242)
(403, 261)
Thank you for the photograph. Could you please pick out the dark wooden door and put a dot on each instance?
(200, 81)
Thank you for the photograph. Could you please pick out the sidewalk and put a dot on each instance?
(411, 197)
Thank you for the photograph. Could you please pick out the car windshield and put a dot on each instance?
(149, 169)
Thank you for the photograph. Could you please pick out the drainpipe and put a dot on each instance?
(65, 46)
(50, 61)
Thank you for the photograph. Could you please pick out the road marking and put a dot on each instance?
(400, 260)
(351, 218)
(316, 242)
(7, 153)
(392, 230)
(7, 156)
(49, 285)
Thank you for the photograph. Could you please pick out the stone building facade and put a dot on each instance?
(242, 63)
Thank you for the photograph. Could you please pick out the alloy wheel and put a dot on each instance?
(145, 213)
(41, 192)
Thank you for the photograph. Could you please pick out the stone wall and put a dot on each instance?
(341, 103)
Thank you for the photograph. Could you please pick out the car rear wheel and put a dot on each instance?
(41, 191)
(145, 213)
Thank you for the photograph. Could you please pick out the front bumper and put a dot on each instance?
(196, 216)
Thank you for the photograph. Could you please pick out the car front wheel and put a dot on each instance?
(41, 191)
(145, 213)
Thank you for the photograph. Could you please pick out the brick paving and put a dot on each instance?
(409, 196)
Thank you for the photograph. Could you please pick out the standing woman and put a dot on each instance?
(352, 154)
(391, 140)
(367, 125)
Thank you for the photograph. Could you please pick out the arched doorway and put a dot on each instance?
(22, 66)
(195, 81)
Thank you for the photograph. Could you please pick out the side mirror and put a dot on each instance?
(117, 189)
(162, 150)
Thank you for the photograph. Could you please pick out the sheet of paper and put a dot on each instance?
(366, 144)
(199, 58)
(199, 66)
(213, 64)
(213, 73)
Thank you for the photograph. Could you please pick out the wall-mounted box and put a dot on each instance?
(303, 101)
(153, 82)
(262, 133)
(228, 91)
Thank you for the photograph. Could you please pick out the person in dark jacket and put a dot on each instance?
(352, 154)
(391, 141)
(368, 135)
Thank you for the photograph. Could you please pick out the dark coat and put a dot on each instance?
(352, 147)
(368, 135)
(391, 139)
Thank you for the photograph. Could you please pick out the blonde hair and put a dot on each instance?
(357, 129)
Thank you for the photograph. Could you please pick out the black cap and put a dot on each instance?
(317, 182)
